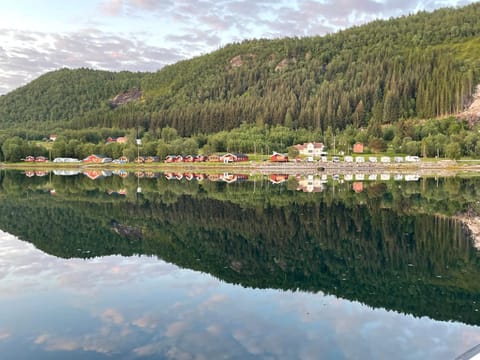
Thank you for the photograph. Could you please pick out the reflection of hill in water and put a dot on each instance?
(413, 263)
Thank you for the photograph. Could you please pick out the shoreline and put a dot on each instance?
(441, 167)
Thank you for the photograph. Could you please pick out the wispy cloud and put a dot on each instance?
(25, 55)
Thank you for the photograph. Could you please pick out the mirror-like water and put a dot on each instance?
(194, 266)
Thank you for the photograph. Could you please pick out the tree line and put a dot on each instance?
(445, 138)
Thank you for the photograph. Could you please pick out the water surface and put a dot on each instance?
(139, 267)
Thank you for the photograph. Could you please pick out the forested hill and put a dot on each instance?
(419, 66)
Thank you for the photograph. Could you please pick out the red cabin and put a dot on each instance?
(276, 157)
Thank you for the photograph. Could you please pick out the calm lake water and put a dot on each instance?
(229, 266)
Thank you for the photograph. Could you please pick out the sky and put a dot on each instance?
(37, 36)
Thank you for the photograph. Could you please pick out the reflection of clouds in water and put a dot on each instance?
(112, 315)
(142, 306)
(36, 269)
(176, 328)
(4, 334)
(213, 301)
(146, 322)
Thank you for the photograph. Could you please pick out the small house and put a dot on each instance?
(276, 157)
(311, 149)
(358, 147)
(199, 158)
(170, 158)
(29, 159)
(214, 158)
(229, 157)
(152, 159)
(41, 159)
(97, 159)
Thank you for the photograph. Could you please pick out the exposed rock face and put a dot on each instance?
(472, 114)
(284, 63)
(240, 60)
(125, 97)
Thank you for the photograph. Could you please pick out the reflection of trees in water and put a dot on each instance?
(354, 247)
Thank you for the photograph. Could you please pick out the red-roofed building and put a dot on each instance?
(276, 157)
(358, 147)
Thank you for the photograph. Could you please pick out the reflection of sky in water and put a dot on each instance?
(141, 307)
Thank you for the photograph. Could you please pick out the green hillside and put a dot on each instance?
(420, 66)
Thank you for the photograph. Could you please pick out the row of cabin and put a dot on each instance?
(187, 158)
(102, 159)
(226, 158)
(35, 159)
(144, 159)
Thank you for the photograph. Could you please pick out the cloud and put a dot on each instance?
(112, 7)
(25, 55)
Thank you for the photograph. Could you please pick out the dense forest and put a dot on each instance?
(419, 66)
(385, 247)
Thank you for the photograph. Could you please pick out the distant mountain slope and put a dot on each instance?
(64, 94)
(424, 65)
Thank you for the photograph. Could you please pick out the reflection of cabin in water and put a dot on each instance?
(230, 178)
(278, 178)
(214, 177)
(357, 186)
(311, 184)
(93, 174)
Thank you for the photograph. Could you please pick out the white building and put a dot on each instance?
(311, 149)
